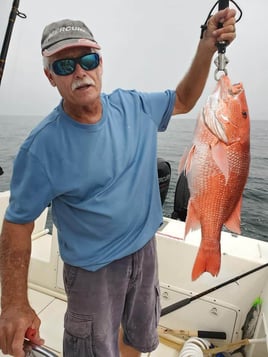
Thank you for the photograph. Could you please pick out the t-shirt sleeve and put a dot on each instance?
(160, 105)
(31, 191)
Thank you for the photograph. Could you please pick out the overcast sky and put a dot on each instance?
(146, 45)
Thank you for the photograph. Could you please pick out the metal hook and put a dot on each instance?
(220, 61)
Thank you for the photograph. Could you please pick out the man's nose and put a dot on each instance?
(79, 71)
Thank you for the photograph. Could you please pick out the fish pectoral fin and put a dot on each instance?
(183, 161)
(186, 160)
(206, 261)
(219, 155)
(233, 222)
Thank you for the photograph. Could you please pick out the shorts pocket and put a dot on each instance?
(78, 336)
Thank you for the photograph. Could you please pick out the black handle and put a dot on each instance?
(212, 334)
(223, 4)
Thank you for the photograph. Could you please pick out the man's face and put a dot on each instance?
(82, 87)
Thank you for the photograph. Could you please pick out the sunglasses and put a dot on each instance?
(66, 66)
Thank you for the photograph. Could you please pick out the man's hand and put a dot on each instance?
(214, 34)
(14, 323)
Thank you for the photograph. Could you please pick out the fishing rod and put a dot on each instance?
(187, 301)
(12, 17)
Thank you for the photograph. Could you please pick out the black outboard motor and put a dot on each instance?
(181, 198)
(1, 171)
(164, 175)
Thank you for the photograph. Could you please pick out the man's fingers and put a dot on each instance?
(17, 343)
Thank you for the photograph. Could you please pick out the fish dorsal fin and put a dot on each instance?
(233, 222)
(219, 155)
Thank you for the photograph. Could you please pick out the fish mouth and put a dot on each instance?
(236, 89)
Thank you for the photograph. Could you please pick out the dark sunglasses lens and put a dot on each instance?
(63, 67)
(90, 61)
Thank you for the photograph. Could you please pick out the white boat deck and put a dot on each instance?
(224, 309)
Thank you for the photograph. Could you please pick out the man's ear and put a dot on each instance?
(49, 77)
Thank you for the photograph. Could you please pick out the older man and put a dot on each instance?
(92, 157)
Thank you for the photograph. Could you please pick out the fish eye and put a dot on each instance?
(244, 114)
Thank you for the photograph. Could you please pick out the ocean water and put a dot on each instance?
(171, 145)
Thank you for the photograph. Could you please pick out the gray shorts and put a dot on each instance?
(124, 292)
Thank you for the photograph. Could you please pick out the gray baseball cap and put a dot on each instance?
(66, 34)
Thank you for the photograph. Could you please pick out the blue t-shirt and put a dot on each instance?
(100, 178)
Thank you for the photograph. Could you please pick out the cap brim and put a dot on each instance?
(62, 45)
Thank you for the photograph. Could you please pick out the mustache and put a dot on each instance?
(78, 83)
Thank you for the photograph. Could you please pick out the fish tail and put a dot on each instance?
(206, 261)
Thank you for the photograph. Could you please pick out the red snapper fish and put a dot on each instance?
(217, 167)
